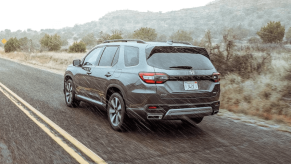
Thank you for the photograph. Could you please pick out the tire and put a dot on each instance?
(70, 94)
(193, 121)
(116, 112)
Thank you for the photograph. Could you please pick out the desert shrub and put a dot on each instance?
(181, 36)
(247, 64)
(244, 65)
(219, 62)
(77, 47)
(145, 33)
(12, 45)
(116, 34)
(51, 42)
(102, 37)
(273, 32)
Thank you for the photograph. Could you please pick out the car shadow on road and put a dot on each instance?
(159, 128)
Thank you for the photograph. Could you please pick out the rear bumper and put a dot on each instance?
(175, 112)
(188, 112)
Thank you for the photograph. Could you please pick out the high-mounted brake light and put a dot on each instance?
(216, 77)
(153, 78)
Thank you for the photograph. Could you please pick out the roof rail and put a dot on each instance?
(179, 42)
(124, 40)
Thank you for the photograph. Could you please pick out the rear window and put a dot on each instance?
(167, 60)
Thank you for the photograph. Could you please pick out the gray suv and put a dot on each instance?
(145, 80)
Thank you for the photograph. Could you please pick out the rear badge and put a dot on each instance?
(192, 72)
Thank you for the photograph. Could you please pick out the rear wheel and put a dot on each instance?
(116, 111)
(70, 94)
(191, 121)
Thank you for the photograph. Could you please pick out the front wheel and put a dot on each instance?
(116, 111)
(70, 94)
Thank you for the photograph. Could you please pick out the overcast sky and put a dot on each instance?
(40, 14)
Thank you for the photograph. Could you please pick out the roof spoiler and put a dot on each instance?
(171, 42)
(124, 40)
(176, 49)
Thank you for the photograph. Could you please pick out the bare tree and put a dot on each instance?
(228, 40)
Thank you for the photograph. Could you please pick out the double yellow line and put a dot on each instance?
(16, 99)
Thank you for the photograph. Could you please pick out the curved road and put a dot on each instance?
(215, 140)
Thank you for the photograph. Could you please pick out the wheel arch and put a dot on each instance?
(67, 76)
(113, 88)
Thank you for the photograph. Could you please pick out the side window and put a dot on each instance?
(107, 56)
(92, 57)
(131, 56)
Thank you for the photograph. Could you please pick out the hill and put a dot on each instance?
(216, 16)
(245, 16)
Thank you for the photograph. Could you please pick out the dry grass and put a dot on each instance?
(52, 60)
(261, 95)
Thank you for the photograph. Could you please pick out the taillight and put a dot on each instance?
(153, 78)
(216, 77)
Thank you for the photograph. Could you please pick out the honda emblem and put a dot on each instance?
(192, 72)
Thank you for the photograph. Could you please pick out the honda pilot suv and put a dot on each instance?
(145, 80)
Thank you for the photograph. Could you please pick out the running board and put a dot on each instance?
(84, 98)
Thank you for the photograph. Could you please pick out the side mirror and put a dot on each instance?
(77, 62)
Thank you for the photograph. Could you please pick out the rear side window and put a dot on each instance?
(107, 56)
(167, 60)
(131, 56)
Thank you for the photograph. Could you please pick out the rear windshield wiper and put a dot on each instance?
(183, 67)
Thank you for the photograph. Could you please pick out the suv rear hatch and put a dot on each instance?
(189, 72)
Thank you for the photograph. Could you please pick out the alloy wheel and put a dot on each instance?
(115, 111)
(69, 89)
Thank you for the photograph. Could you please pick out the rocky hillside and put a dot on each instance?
(220, 14)
(244, 15)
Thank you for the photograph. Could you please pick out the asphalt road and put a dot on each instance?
(215, 140)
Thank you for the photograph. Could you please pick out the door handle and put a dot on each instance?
(108, 74)
(86, 68)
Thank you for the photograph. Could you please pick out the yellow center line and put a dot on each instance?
(74, 141)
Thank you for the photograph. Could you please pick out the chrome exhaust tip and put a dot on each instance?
(155, 117)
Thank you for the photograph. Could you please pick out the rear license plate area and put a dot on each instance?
(190, 85)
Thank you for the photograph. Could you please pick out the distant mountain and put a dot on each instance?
(217, 16)
(220, 14)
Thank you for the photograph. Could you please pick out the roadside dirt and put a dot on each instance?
(36, 65)
(255, 121)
